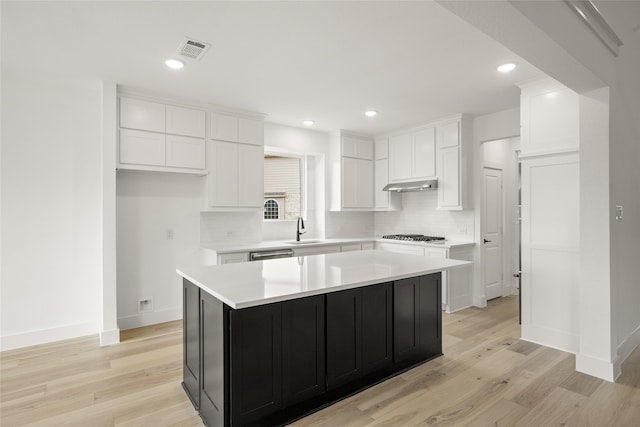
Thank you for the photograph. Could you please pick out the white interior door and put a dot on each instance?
(492, 233)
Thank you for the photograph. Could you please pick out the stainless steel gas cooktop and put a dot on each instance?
(412, 237)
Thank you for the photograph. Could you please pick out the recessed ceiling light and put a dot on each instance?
(308, 122)
(505, 68)
(175, 64)
(371, 113)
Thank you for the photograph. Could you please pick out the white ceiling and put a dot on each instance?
(327, 61)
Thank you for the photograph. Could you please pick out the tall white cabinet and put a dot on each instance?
(235, 155)
(351, 172)
(550, 214)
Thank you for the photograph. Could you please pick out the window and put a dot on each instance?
(282, 187)
(271, 209)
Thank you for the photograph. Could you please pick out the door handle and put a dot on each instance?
(487, 241)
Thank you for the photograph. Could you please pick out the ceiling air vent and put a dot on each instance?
(192, 48)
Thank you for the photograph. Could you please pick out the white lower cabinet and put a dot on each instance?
(316, 250)
(234, 257)
(235, 175)
(456, 283)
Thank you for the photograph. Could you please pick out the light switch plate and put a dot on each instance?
(619, 213)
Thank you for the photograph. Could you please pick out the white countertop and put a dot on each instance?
(250, 284)
(447, 244)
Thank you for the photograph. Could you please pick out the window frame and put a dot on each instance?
(274, 151)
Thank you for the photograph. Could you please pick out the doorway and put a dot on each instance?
(499, 219)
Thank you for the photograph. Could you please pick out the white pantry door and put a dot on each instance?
(492, 230)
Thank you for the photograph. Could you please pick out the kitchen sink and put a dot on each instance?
(303, 242)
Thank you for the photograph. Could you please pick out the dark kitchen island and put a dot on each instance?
(268, 342)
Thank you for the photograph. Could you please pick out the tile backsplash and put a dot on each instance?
(419, 215)
(226, 227)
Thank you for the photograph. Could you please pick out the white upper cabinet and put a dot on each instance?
(159, 137)
(185, 121)
(383, 200)
(251, 131)
(223, 127)
(142, 148)
(142, 115)
(412, 156)
(549, 118)
(357, 183)
(185, 152)
(357, 148)
(223, 174)
(250, 176)
(350, 170)
(451, 141)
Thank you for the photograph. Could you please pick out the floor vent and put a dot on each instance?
(191, 48)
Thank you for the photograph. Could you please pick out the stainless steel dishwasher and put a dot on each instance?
(264, 255)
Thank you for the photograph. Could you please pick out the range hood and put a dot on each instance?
(400, 187)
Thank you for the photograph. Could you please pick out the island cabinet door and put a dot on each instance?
(256, 362)
(213, 324)
(430, 327)
(191, 341)
(344, 337)
(406, 319)
(377, 323)
(303, 349)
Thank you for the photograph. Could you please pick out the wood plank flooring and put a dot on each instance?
(487, 377)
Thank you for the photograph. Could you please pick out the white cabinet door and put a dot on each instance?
(185, 152)
(400, 248)
(381, 148)
(424, 154)
(449, 178)
(142, 148)
(357, 148)
(350, 248)
(357, 183)
(185, 121)
(223, 127)
(250, 175)
(316, 250)
(223, 174)
(381, 197)
(143, 115)
(251, 131)
(449, 135)
(367, 246)
(400, 157)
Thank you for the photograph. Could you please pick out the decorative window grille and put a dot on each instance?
(271, 209)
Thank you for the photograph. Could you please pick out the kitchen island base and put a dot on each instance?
(275, 363)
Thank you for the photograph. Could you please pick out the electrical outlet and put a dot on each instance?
(169, 234)
(145, 305)
(619, 213)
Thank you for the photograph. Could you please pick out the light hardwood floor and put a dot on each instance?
(486, 377)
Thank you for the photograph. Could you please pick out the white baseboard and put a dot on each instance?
(43, 336)
(598, 368)
(627, 347)
(109, 337)
(479, 301)
(150, 318)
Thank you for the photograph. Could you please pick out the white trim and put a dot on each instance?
(551, 152)
(150, 318)
(598, 368)
(626, 348)
(43, 336)
(109, 337)
(121, 167)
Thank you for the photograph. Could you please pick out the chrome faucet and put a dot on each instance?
(298, 226)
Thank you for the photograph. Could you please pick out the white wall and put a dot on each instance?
(51, 208)
(419, 215)
(149, 205)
